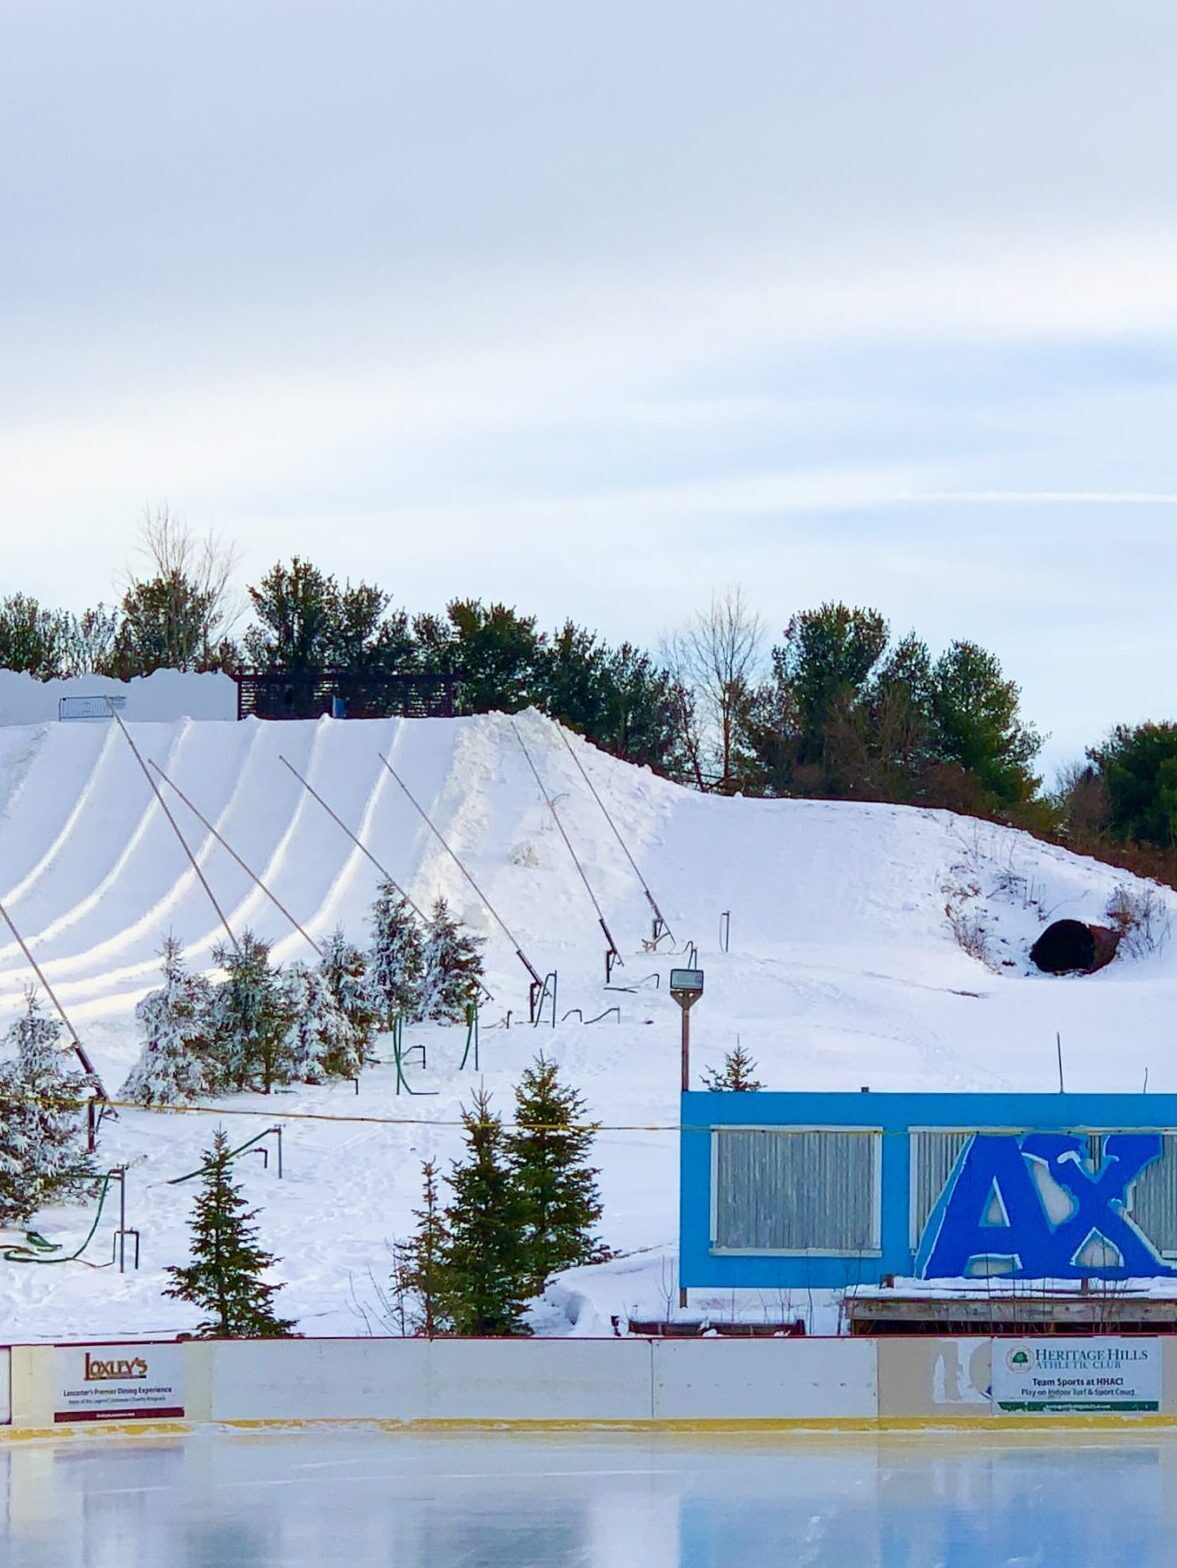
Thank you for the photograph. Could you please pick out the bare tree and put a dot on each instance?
(208, 562)
(180, 611)
(717, 655)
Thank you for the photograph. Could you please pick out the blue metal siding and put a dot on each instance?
(896, 1115)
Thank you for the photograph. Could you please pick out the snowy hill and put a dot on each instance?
(843, 970)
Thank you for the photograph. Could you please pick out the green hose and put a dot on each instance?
(175, 1181)
(35, 1246)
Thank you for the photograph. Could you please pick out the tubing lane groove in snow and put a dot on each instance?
(139, 935)
(15, 895)
(172, 823)
(129, 856)
(229, 850)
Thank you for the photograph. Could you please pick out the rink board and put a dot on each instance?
(843, 1383)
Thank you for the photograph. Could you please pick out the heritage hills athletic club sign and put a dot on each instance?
(844, 1189)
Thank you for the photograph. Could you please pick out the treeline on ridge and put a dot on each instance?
(835, 707)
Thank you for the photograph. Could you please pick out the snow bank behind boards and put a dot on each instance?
(157, 698)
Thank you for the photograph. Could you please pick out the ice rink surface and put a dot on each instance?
(372, 1499)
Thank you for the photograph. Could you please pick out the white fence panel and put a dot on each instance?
(319, 1379)
(539, 1380)
(765, 1379)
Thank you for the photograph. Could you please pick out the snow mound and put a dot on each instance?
(870, 945)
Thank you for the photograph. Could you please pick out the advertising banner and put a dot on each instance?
(1057, 1375)
(119, 1382)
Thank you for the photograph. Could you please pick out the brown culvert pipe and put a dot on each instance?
(1070, 947)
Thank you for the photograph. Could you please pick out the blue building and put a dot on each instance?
(835, 1190)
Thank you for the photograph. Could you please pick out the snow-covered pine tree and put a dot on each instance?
(736, 1076)
(175, 1062)
(225, 1275)
(549, 1151)
(344, 968)
(249, 1018)
(422, 1270)
(320, 1039)
(484, 1275)
(42, 1118)
(395, 958)
(452, 968)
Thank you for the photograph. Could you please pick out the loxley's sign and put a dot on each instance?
(107, 1383)
(98, 1371)
(1034, 1206)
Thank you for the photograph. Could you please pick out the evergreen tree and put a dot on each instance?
(549, 1153)
(738, 1067)
(451, 968)
(306, 622)
(33, 637)
(979, 723)
(174, 1063)
(1137, 768)
(497, 654)
(828, 657)
(485, 1271)
(344, 968)
(396, 957)
(250, 1018)
(321, 1041)
(224, 1278)
(42, 1137)
(422, 1268)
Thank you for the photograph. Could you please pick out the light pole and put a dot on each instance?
(686, 987)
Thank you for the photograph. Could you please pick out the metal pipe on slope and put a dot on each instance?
(174, 825)
(493, 912)
(79, 1049)
(661, 927)
(363, 848)
(229, 850)
(613, 956)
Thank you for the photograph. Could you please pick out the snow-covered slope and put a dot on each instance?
(843, 968)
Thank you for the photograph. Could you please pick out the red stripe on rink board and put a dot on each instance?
(164, 1411)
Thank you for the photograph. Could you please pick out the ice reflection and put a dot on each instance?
(369, 1499)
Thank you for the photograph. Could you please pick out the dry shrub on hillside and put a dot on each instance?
(1141, 917)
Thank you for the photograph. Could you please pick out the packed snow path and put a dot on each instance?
(843, 971)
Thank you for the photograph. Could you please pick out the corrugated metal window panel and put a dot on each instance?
(933, 1155)
(1154, 1199)
(796, 1190)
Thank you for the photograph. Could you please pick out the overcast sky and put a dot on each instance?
(596, 307)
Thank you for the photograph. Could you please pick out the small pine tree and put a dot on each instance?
(174, 1063)
(320, 1040)
(549, 1152)
(224, 1278)
(422, 1264)
(484, 1274)
(452, 968)
(42, 1139)
(250, 1018)
(395, 959)
(344, 968)
(738, 1067)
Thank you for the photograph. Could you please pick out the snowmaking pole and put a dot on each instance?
(660, 927)
(537, 985)
(612, 956)
(363, 848)
(229, 850)
(174, 825)
(79, 1049)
